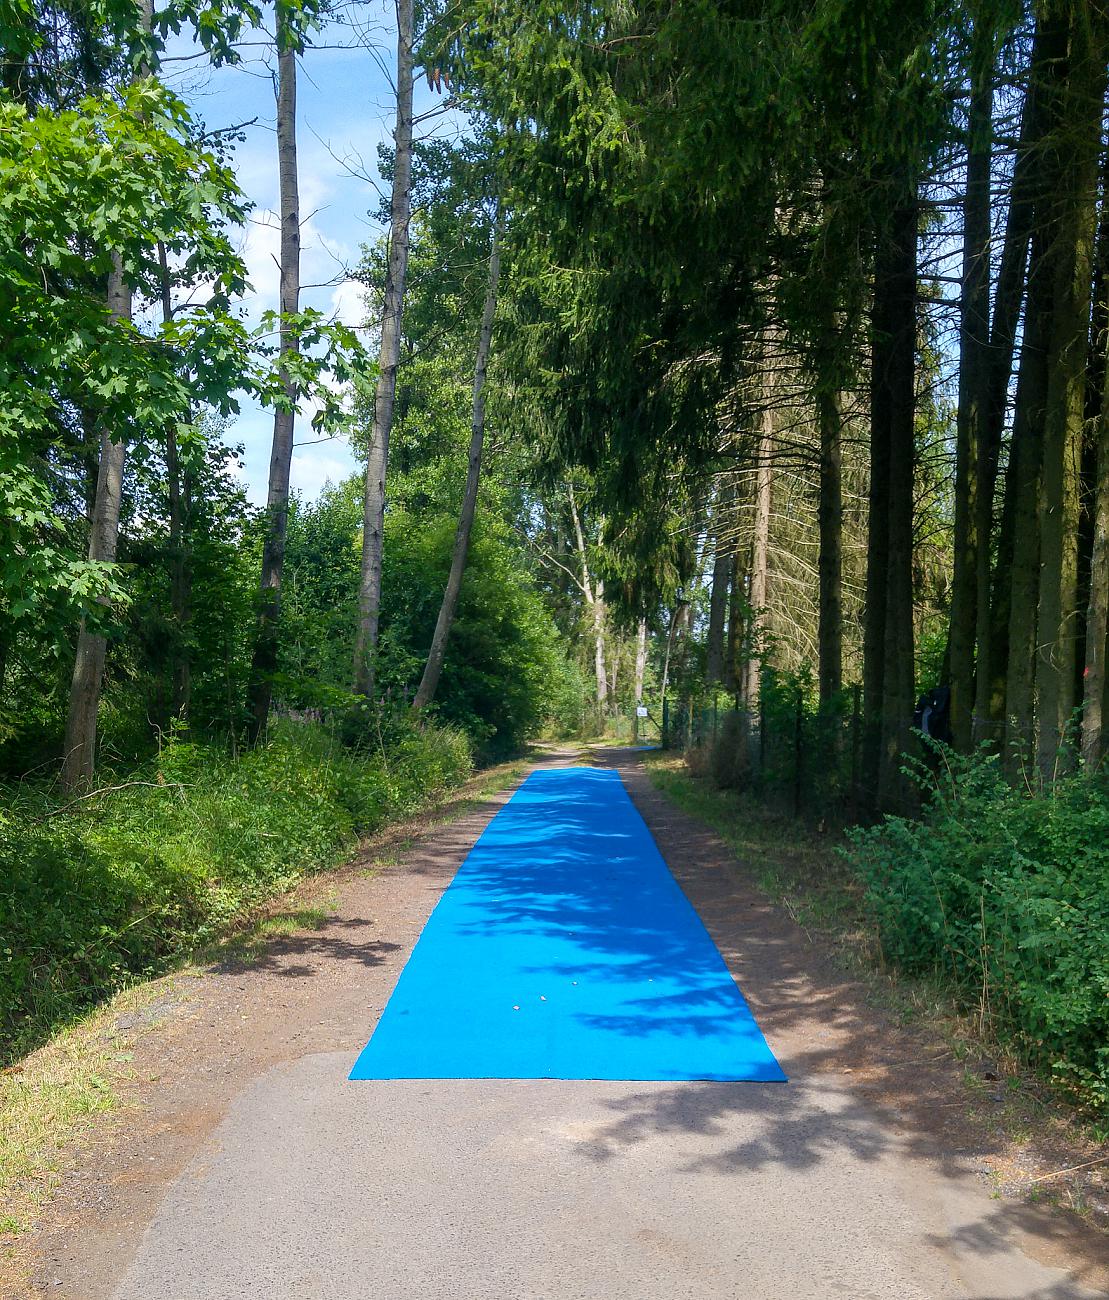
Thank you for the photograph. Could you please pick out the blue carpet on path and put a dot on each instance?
(565, 949)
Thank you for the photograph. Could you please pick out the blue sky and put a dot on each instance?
(345, 109)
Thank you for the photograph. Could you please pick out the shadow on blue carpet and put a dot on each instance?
(565, 949)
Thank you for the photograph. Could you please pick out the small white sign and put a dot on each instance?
(640, 711)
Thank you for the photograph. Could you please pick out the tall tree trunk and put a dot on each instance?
(877, 537)
(1023, 487)
(640, 664)
(179, 575)
(1097, 613)
(830, 562)
(718, 600)
(972, 454)
(429, 682)
(737, 617)
(1072, 266)
(264, 661)
(993, 639)
(594, 599)
(373, 526)
(896, 287)
(79, 759)
(760, 542)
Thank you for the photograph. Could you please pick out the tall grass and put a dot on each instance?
(113, 887)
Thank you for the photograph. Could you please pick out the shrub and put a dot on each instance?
(118, 886)
(1006, 894)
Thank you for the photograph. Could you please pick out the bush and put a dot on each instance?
(1006, 894)
(120, 885)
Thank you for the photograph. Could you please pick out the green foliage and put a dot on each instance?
(1006, 894)
(117, 886)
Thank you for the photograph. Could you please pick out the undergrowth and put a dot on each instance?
(1004, 894)
(98, 892)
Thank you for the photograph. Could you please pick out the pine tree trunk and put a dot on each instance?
(718, 600)
(972, 454)
(877, 538)
(264, 662)
(1095, 678)
(429, 682)
(737, 616)
(373, 527)
(79, 759)
(1072, 266)
(897, 370)
(830, 563)
(760, 542)
(1023, 487)
(994, 605)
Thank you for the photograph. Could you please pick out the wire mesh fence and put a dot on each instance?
(804, 759)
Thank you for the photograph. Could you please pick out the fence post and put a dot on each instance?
(666, 724)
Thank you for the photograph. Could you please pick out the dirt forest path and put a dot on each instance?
(248, 1165)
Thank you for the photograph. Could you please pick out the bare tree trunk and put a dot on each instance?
(737, 616)
(898, 371)
(760, 544)
(373, 527)
(429, 682)
(1072, 266)
(972, 456)
(830, 562)
(640, 668)
(594, 598)
(79, 759)
(264, 662)
(718, 600)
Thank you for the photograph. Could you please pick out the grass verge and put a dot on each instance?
(50, 1101)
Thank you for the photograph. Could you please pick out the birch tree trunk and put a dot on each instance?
(264, 661)
(429, 682)
(594, 598)
(640, 668)
(373, 526)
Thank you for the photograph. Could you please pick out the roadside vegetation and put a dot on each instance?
(120, 883)
(995, 897)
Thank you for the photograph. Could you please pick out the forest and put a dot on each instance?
(731, 376)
